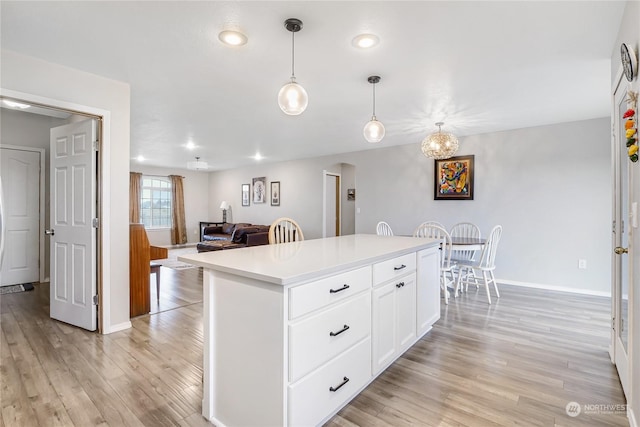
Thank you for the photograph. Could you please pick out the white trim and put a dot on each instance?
(119, 327)
(555, 288)
(41, 243)
(104, 251)
(632, 418)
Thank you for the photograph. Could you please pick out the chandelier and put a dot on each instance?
(440, 145)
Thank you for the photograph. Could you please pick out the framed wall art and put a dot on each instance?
(245, 194)
(275, 193)
(259, 189)
(454, 178)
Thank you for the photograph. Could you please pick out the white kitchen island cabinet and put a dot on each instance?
(294, 331)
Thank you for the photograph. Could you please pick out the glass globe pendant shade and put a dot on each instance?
(440, 145)
(293, 99)
(373, 130)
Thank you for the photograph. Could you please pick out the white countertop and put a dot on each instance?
(287, 263)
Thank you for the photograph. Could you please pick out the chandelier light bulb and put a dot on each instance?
(440, 145)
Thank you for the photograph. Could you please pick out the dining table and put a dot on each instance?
(467, 243)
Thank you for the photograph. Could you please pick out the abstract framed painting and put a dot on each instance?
(454, 178)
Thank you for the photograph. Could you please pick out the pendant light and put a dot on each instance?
(440, 145)
(292, 98)
(373, 130)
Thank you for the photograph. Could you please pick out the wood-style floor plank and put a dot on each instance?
(517, 362)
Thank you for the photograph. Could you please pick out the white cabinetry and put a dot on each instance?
(428, 289)
(329, 344)
(394, 310)
(289, 340)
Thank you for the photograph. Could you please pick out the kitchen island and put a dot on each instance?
(294, 331)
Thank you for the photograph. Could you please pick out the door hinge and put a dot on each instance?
(95, 223)
(96, 145)
(95, 300)
(613, 323)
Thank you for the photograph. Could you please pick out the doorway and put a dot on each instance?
(331, 205)
(22, 180)
(20, 127)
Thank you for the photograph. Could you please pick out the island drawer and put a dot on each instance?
(311, 296)
(323, 336)
(325, 390)
(395, 267)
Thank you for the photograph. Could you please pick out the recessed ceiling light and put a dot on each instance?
(140, 158)
(232, 38)
(14, 104)
(190, 145)
(258, 156)
(365, 41)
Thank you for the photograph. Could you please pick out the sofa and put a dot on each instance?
(232, 236)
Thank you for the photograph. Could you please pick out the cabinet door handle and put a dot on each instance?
(335, 334)
(399, 285)
(335, 291)
(344, 381)
(400, 268)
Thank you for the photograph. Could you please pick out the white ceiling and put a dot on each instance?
(478, 66)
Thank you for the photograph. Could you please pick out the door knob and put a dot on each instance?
(50, 232)
(620, 250)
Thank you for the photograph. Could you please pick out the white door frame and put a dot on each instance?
(104, 192)
(620, 357)
(42, 260)
(324, 201)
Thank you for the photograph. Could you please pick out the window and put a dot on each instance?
(155, 203)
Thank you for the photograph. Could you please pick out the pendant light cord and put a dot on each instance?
(374, 100)
(293, 54)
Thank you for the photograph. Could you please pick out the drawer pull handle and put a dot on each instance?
(335, 334)
(335, 291)
(344, 381)
(399, 285)
(400, 268)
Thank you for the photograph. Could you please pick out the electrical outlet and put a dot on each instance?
(582, 264)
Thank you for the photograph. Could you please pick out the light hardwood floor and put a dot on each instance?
(516, 362)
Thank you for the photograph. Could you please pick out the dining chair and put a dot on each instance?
(447, 277)
(424, 226)
(383, 229)
(464, 229)
(284, 230)
(486, 265)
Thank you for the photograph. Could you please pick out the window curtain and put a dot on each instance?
(178, 223)
(135, 186)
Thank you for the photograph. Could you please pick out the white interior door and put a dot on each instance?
(20, 172)
(73, 237)
(622, 232)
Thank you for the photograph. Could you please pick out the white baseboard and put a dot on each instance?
(632, 418)
(555, 288)
(117, 328)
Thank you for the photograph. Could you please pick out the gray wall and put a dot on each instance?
(549, 187)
